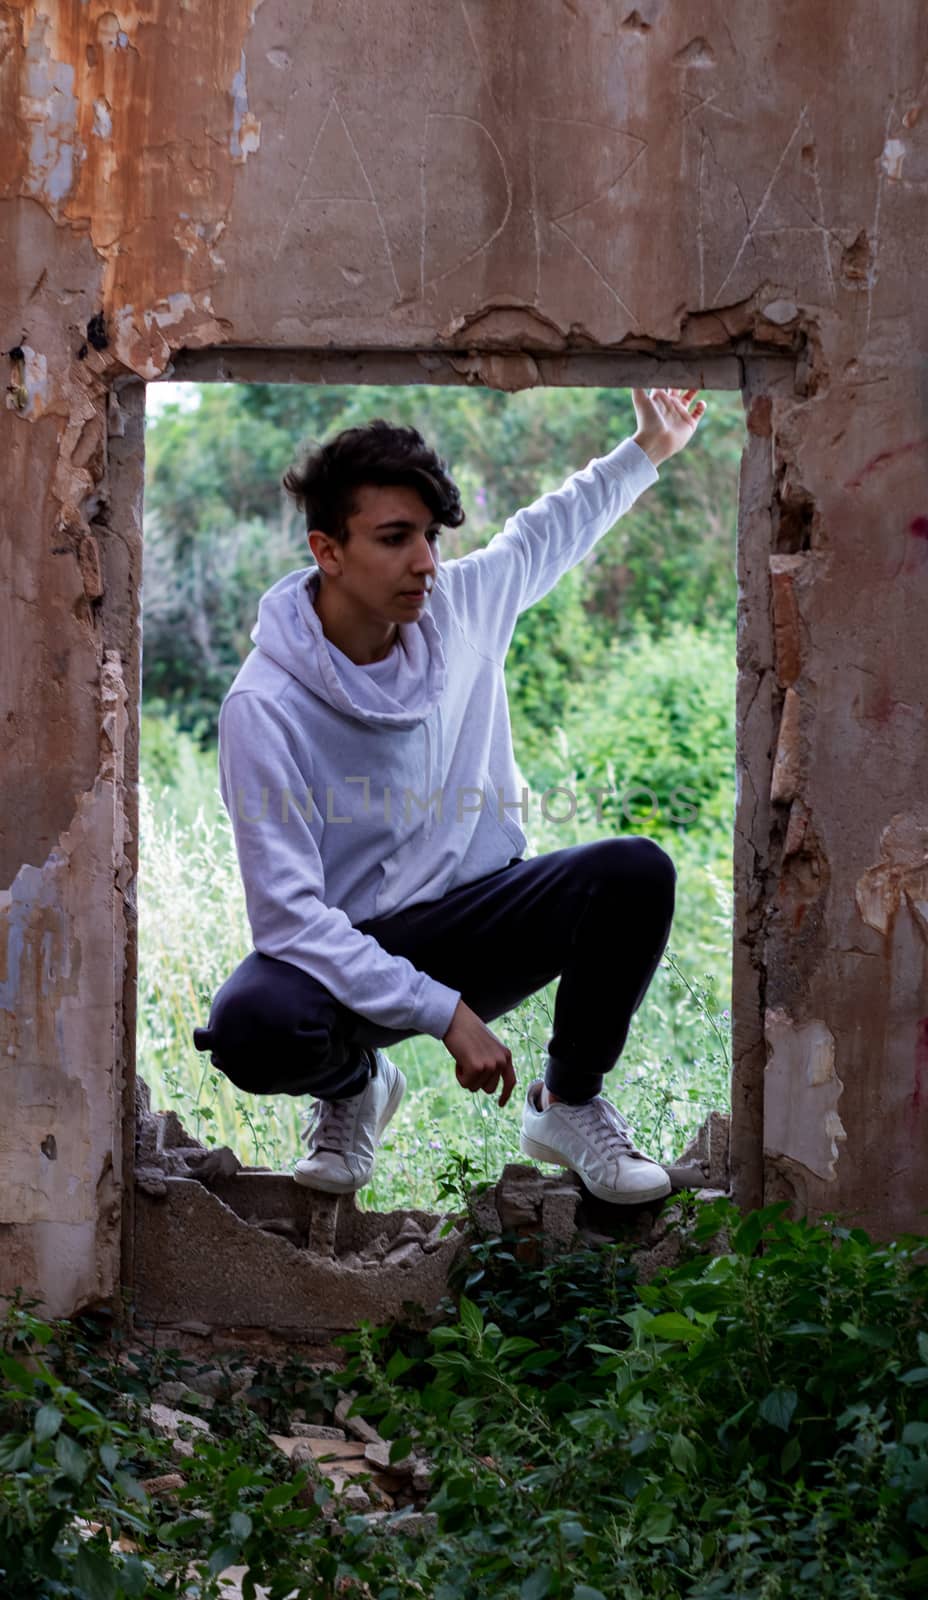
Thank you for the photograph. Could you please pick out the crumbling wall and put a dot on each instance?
(498, 190)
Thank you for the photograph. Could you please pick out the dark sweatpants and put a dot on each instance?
(597, 915)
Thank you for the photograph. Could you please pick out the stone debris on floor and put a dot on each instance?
(180, 1427)
(548, 1213)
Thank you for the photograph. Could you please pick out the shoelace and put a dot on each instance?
(328, 1123)
(605, 1127)
(329, 1119)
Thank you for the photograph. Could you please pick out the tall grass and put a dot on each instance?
(193, 932)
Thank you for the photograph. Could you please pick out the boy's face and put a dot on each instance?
(388, 564)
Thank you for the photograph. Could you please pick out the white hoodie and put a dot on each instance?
(355, 791)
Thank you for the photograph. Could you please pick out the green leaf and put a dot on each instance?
(134, 1578)
(225, 1555)
(237, 1480)
(673, 1327)
(582, 1591)
(573, 1533)
(879, 1338)
(658, 1523)
(915, 1433)
(48, 1420)
(15, 1452)
(922, 1342)
(560, 1396)
(280, 1495)
(683, 1453)
(95, 1574)
(917, 1375)
(470, 1316)
(778, 1406)
(129, 1485)
(537, 1585)
(397, 1365)
(400, 1449)
(516, 1345)
(18, 1377)
(535, 1362)
(73, 1461)
(184, 1528)
(790, 1454)
(109, 1455)
(240, 1525)
(747, 1237)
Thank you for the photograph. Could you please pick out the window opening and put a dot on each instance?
(621, 688)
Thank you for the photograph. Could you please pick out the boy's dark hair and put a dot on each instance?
(379, 452)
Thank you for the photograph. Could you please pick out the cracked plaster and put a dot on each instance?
(802, 1089)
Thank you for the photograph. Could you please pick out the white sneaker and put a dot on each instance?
(594, 1141)
(342, 1135)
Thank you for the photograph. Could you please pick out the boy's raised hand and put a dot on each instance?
(667, 420)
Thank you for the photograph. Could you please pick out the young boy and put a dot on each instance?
(366, 762)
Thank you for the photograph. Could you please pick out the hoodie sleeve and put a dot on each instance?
(490, 587)
(283, 876)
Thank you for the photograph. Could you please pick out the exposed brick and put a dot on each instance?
(787, 761)
(786, 634)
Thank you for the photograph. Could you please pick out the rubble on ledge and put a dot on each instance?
(219, 1246)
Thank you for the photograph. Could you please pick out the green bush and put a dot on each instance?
(76, 1522)
(555, 645)
(63, 1467)
(654, 733)
(751, 1424)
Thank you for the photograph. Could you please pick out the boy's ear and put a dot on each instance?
(325, 550)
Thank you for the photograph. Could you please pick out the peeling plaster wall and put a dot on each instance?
(507, 185)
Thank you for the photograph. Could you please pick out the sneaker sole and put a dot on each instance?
(309, 1181)
(542, 1152)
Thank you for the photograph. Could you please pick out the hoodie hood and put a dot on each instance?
(288, 632)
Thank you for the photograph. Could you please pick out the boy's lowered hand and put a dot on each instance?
(481, 1060)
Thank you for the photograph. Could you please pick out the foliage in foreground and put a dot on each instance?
(752, 1424)
(749, 1424)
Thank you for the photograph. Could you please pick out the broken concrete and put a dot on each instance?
(197, 1259)
(706, 1161)
(205, 1258)
(681, 210)
(670, 1240)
